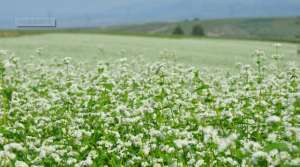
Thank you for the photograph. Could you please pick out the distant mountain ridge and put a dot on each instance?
(81, 13)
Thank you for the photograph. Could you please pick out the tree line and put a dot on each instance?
(197, 30)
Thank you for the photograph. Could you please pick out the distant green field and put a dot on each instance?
(280, 28)
(91, 48)
(268, 29)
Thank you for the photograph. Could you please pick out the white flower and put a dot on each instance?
(272, 137)
(78, 134)
(13, 146)
(273, 119)
(258, 156)
(21, 164)
(284, 155)
(155, 133)
(295, 162)
(297, 95)
(8, 64)
(2, 139)
(224, 143)
(157, 165)
(56, 157)
(146, 150)
(183, 143)
(294, 130)
(7, 155)
(46, 150)
(199, 163)
(85, 163)
(210, 134)
(67, 60)
(71, 161)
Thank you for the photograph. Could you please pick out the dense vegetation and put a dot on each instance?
(134, 113)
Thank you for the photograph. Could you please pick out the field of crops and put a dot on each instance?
(127, 110)
(89, 48)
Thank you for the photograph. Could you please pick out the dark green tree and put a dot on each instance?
(198, 30)
(178, 31)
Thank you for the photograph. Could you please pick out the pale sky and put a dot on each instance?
(123, 11)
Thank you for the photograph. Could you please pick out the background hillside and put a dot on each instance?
(275, 29)
(281, 28)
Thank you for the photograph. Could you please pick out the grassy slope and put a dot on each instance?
(270, 28)
(287, 28)
(84, 48)
(274, 29)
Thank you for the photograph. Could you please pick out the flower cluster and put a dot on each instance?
(159, 114)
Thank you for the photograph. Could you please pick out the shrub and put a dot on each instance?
(178, 31)
(198, 30)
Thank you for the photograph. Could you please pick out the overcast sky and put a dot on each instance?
(62, 8)
(122, 11)
(72, 8)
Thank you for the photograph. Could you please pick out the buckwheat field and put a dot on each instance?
(136, 113)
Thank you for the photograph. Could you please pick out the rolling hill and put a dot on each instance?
(276, 28)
